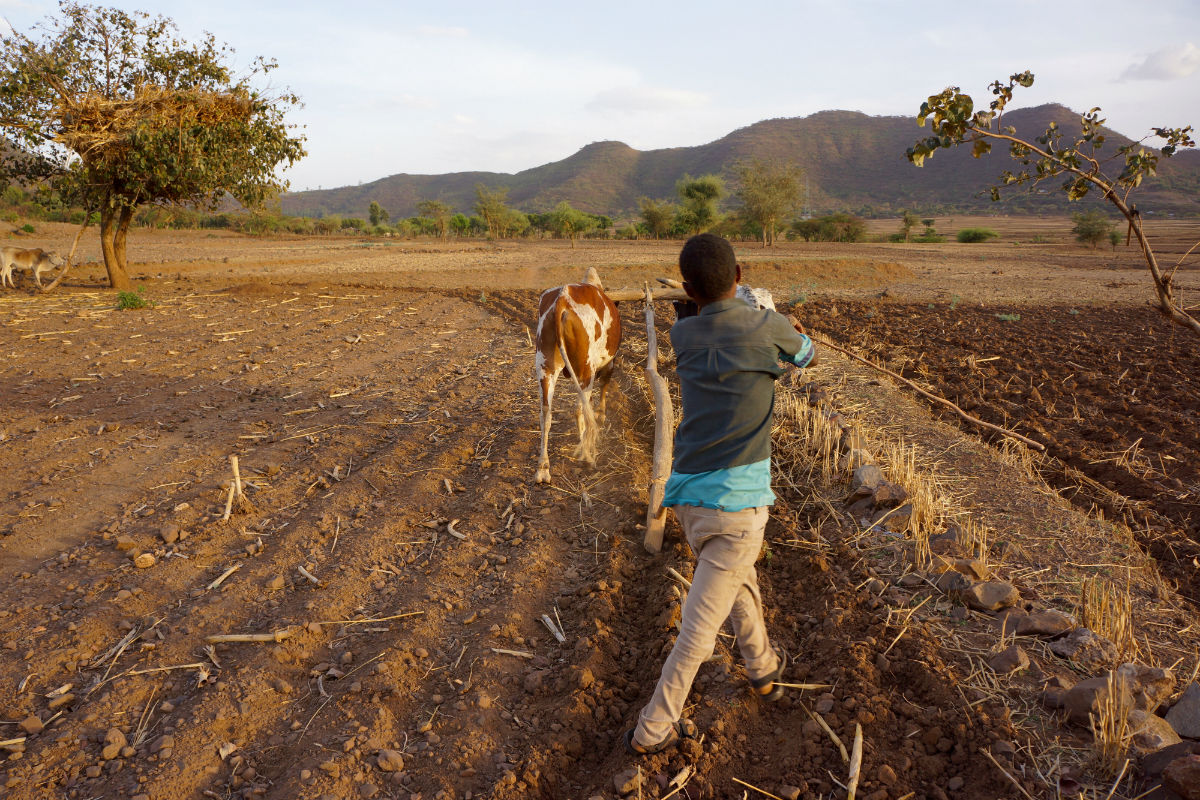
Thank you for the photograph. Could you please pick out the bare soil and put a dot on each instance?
(377, 392)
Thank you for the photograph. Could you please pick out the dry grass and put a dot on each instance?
(1110, 729)
(1108, 611)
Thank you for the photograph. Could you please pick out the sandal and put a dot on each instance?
(770, 679)
(680, 730)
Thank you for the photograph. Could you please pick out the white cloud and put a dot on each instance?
(443, 31)
(1167, 64)
(645, 98)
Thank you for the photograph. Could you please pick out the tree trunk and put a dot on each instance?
(118, 278)
(87, 219)
(1167, 303)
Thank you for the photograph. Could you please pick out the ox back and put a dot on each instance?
(578, 332)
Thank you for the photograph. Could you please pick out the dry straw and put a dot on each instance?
(1108, 611)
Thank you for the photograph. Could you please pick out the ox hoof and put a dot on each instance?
(542, 476)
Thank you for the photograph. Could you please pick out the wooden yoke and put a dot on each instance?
(668, 293)
(664, 431)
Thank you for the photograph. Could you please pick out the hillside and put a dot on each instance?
(854, 161)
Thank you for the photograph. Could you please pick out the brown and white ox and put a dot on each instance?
(578, 330)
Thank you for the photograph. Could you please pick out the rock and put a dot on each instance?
(627, 782)
(889, 495)
(535, 680)
(60, 701)
(1053, 698)
(368, 790)
(144, 560)
(991, 595)
(1184, 716)
(886, 775)
(867, 477)
(1153, 764)
(972, 568)
(789, 792)
(1085, 698)
(31, 725)
(114, 743)
(955, 783)
(895, 520)
(1086, 649)
(275, 582)
(951, 582)
(1010, 659)
(390, 761)
(1150, 686)
(1182, 776)
(1046, 622)
(125, 544)
(162, 743)
(1150, 732)
(169, 533)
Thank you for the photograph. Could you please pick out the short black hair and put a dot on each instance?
(707, 263)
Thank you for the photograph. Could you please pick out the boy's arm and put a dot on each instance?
(806, 354)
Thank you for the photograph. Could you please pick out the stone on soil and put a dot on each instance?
(1182, 776)
(144, 560)
(1150, 686)
(867, 477)
(114, 743)
(390, 761)
(1010, 659)
(1184, 716)
(992, 595)
(627, 782)
(1046, 622)
(1086, 649)
(1150, 732)
(31, 725)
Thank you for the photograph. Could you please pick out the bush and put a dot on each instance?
(975, 235)
(1091, 227)
(28, 228)
(131, 300)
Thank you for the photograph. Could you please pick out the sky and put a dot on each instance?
(430, 87)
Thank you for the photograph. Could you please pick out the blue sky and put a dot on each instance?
(503, 86)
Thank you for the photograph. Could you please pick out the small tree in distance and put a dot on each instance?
(699, 198)
(1092, 227)
(658, 214)
(439, 214)
(954, 121)
(570, 222)
(377, 214)
(769, 192)
(490, 205)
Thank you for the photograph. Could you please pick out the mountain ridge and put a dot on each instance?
(854, 162)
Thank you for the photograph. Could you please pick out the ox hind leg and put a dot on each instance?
(547, 404)
(603, 376)
(588, 427)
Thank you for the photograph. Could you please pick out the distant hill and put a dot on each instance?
(855, 162)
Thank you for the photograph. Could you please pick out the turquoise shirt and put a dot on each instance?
(730, 489)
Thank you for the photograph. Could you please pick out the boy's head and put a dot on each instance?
(708, 266)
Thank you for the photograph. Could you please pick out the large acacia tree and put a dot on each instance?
(115, 111)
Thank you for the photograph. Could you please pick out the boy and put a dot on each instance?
(727, 358)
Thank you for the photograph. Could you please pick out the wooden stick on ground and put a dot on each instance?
(936, 399)
(229, 501)
(274, 636)
(664, 430)
(855, 762)
(755, 788)
(237, 475)
(221, 578)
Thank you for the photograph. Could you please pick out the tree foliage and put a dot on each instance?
(698, 201)
(770, 192)
(658, 214)
(377, 214)
(908, 220)
(840, 227)
(491, 204)
(570, 222)
(114, 111)
(1092, 227)
(1076, 159)
(439, 213)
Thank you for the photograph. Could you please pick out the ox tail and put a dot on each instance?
(588, 433)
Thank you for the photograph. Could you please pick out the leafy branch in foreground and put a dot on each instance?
(954, 121)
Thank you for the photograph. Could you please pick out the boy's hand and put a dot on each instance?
(796, 324)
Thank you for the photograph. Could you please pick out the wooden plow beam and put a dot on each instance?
(666, 293)
(664, 425)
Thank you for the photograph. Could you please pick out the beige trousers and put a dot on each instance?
(724, 586)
